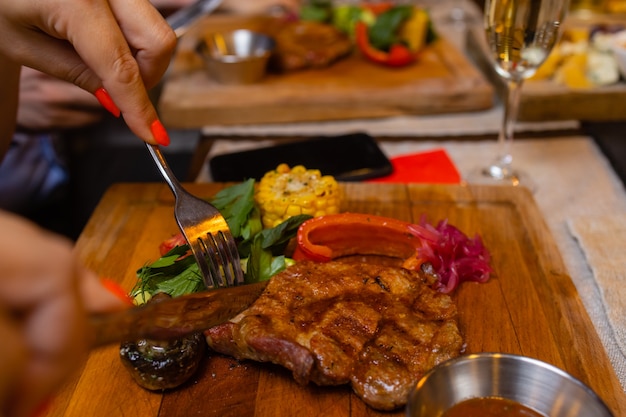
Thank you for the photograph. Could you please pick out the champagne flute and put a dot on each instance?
(520, 34)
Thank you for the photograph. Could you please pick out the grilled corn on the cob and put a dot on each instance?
(286, 192)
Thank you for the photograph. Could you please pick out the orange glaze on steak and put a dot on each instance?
(379, 328)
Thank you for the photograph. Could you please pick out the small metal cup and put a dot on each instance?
(236, 57)
(542, 387)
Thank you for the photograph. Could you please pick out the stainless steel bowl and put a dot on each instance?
(236, 57)
(535, 384)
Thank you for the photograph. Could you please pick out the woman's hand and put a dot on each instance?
(44, 295)
(171, 4)
(124, 46)
(260, 6)
(47, 103)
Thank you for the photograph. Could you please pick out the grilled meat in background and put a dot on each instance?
(307, 44)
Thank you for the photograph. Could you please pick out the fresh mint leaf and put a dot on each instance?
(265, 251)
(262, 265)
(169, 264)
(177, 278)
(187, 282)
(236, 202)
(165, 261)
(253, 226)
(277, 238)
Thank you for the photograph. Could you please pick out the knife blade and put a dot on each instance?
(175, 317)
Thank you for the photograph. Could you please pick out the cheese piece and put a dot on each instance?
(602, 68)
(573, 72)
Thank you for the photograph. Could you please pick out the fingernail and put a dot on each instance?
(107, 102)
(116, 289)
(159, 133)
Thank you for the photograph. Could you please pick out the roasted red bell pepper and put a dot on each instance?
(399, 55)
(324, 238)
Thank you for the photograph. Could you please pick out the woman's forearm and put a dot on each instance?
(10, 76)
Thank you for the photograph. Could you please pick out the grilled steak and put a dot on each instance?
(379, 328)
(307, 44)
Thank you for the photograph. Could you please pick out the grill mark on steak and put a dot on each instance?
(378, 328)
(382, 284)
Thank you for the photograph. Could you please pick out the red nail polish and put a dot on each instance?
(107, 102)
(159, 133)
(115, 289)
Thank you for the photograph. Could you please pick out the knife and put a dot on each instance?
(175, 317)
(183, 18)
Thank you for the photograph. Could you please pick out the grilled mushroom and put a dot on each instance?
(161, 365)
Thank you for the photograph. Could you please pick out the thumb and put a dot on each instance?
(102, 295)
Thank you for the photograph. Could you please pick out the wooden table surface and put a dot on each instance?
(529, 307)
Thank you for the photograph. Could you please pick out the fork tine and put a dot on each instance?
(231, 247)
(233, 274)
(207, 269)
(211, 252)
(203, 258)
(220, 249)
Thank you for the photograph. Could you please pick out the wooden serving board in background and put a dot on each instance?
(543, 100)
(529, 307)
(442, 81)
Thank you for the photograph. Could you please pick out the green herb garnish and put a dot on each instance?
(236, 204)
(261, 250)
(384, 32)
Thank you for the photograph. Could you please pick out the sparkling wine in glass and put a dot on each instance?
(520, 34)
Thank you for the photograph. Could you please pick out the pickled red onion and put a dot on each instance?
(454, 257)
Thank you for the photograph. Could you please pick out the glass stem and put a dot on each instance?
(505, 139)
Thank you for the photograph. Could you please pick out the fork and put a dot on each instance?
(205, 229)
(182, 19)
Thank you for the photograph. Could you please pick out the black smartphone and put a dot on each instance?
(350, 157)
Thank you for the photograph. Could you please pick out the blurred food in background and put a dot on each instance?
(383, 32)
(308, 44)
(584, 58)
(587, 7)
(615, 6)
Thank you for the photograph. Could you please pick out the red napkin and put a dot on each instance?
(432, 167)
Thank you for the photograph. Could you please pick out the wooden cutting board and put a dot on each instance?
(543, 100)
(529, 307)
(442, 81)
